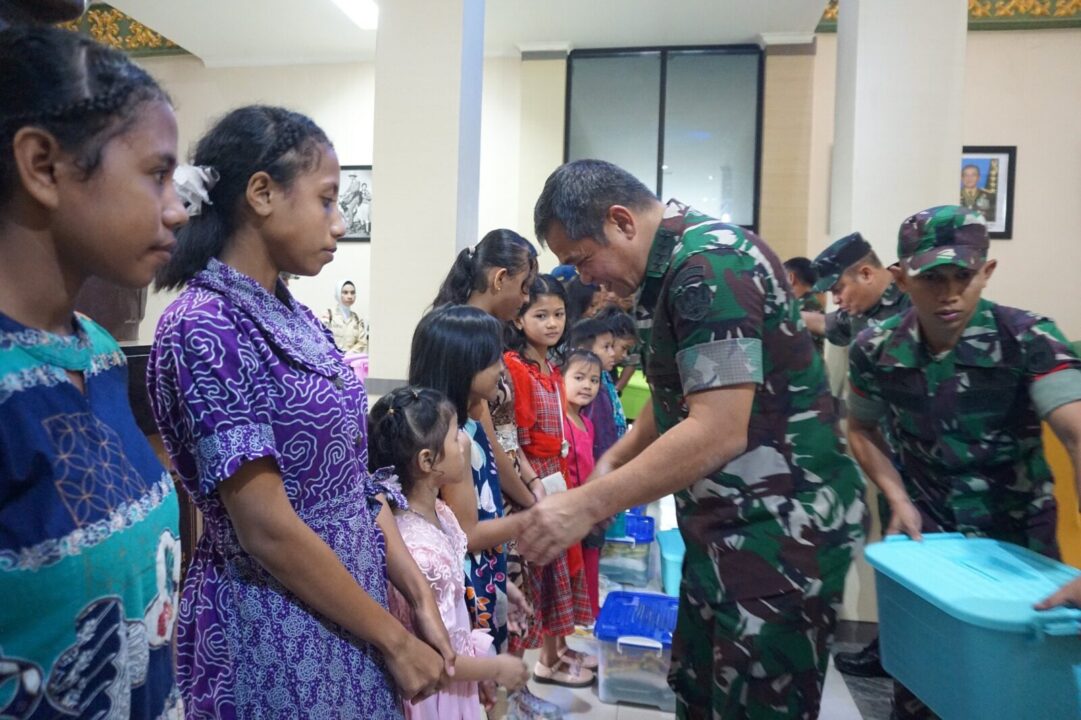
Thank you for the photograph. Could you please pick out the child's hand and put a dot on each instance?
(519, 611)
(486, 690)
(511, 672)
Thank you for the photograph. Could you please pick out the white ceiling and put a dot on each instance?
(278, 32)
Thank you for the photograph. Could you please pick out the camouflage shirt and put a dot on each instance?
(715, 310)
(810, 303)
(842, 328)
(967, 421)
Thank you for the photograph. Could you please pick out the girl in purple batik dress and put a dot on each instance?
(284, 608)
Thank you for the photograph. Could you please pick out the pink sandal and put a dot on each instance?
(567, 674)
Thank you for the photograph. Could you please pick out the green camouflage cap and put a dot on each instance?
(943, 235)
(837, 258)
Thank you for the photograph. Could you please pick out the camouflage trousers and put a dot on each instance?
(757, 658)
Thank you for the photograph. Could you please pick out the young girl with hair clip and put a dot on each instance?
(415, 432)
(563, 598)
(284, 611)
(89, 537)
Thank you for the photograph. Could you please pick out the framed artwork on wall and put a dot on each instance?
(987, 173)
(355, 201)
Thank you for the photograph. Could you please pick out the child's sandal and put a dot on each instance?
(589, 662)
(567, 674)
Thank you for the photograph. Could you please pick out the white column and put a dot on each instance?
(426, 164)
(897, 146)
(900, 83)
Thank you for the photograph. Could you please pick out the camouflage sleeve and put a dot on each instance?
(1053, 369)
(717, 305)
(839, 328)
(865, 402)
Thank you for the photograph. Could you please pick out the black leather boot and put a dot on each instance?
(865, 663)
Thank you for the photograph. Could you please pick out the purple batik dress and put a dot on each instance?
(237, 374)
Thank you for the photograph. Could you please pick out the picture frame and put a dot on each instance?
(355, 202)
(987, 185)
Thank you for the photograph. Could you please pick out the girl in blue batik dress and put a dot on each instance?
(89, 538)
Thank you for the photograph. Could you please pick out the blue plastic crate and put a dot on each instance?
(957, 628)
(634, 631)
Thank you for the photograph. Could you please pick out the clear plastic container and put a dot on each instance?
(634, 631)
(627, 560)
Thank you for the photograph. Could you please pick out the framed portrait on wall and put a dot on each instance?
(987, 174)
(355, 201)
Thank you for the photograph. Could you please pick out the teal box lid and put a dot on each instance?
(637, 616)
(987, 583)
(671, 542)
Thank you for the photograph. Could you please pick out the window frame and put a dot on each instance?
(664, 51)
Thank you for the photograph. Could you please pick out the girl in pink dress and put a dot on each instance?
(414, 431)
(581, 382)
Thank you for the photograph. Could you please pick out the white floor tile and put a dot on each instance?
(837, 702)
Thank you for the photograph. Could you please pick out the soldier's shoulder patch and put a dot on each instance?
(691, 293)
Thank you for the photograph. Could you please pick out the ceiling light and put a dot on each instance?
(363, 13)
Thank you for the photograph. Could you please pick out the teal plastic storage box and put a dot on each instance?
(634, 631)
(957, 628)
(626, 560)
(672, 551)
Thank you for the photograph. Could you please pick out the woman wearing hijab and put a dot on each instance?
(349, 331)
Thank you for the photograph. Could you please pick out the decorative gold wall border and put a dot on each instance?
(112, 27)
(999, 15)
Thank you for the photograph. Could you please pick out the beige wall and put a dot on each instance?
(337, 97)
(1024, 89)
(340, 99)
(786, 148)
(543, 98)
(1021, 88)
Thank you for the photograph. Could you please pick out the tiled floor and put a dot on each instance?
(837, 702)
(872, 695)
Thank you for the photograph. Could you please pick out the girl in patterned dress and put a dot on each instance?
(456, 350)
(89, 537)
(563, 598)
(495, 276)
(415, 431)
(284, 610)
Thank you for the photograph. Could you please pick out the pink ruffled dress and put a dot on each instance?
(440, 553)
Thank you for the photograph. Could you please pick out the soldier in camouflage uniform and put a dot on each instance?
(742, 428)
(862, 289)
(866, 295)
(802, 277)
(963, 384)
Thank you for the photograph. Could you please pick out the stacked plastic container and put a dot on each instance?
(672, 552)
(627, 559)
(634, 631)
(957, 627)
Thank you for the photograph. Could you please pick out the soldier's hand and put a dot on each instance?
(905, 518)
(553, 525)
(1069, 594)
